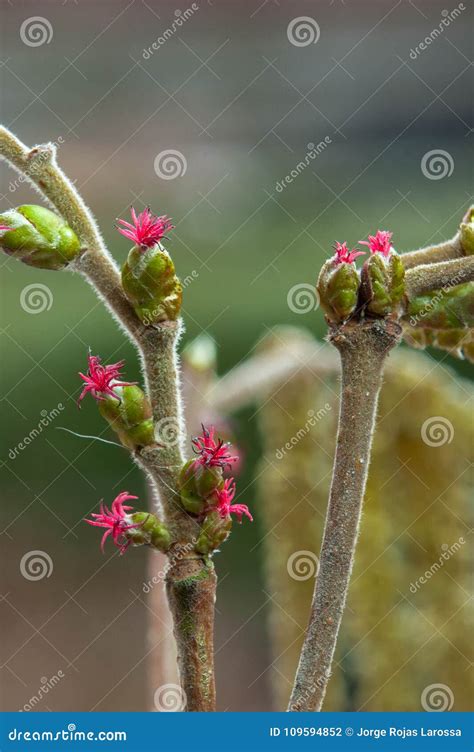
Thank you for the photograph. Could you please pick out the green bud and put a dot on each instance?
(196, 483)
(338, 289)
(152, 532)
(130, 416)
(467, 233)
(383, 283)
(214, 531)
(38, 237)
(151, 285)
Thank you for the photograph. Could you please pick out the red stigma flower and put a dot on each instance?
(343, 255)
(116, 521)
(4, 228)
(211, 452)
(381, 242)
(102, 379)
(224, 502)
(146, 230)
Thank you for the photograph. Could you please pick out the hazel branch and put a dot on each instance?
(428, 277)
(39, 166)
(434, 254)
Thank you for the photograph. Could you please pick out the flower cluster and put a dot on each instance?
(225, 497)
(212, 452)
(343, 255)
(116, 521)
(381, 242)
(102, 380)
(145, 230)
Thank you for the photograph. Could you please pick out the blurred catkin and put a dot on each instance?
(400, 634)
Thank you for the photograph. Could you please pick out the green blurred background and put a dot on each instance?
(241, 104)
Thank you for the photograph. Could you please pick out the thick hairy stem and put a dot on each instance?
(450, 249)
(428, 277)
(191, 588)
(190, 580)
(39, 166)
(363, 348)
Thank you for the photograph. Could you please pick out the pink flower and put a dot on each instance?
(211, 452)
(146, 230)
(224, 502)
(343, 255)
(116, 521)
(102, 380)
(4, 228)
(379, 243)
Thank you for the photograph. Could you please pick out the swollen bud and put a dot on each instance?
(148, 276)
(338, 284)
(214, 531)
(467, 233)
(197, 482)
(38, 237)
(150, 531)
(383, 283)
(129, 413)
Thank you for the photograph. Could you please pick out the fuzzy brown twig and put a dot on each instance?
(363, 348)
(429, 277)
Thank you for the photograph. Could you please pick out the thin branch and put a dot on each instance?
(363, 347)
(429, 277)
(450, 249)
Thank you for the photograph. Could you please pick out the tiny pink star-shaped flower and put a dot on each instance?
(381, 242)
(343, 255)
(101, 380)
(224, 502)
(145, 230)
(116, 521)
(212, 452)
